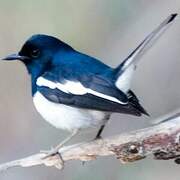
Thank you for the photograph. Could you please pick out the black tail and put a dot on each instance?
(124, 71)
(145, 44)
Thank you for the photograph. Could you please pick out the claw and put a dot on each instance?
(51, 153)
(98, 137)
(55, 151)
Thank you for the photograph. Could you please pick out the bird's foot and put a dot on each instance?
(53, 152)
(97, 138)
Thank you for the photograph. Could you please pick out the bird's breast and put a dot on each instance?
(67, 117)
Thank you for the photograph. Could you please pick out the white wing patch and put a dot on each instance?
(74, 88)
(47, 83)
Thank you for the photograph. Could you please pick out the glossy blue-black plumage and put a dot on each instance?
(58, 62)
(63, 59)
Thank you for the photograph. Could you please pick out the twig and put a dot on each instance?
(161, 140)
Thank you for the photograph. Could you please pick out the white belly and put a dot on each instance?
(67, 117)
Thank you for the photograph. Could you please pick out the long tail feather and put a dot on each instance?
(134, 57)
(147, 42)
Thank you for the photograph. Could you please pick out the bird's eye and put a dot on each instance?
(35, 53)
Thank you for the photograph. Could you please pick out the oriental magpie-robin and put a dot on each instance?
(74, 91)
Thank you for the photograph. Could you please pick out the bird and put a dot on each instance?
(74, 91)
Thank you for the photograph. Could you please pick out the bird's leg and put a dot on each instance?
(55, 150)
(98, 136)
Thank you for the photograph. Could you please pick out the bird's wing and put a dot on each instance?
(85, 91)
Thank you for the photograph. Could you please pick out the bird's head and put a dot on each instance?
(38, 52)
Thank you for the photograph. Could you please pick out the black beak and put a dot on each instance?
(15, 57)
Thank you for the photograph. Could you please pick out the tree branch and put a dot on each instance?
(162, 140)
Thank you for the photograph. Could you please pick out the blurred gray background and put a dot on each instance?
(108, 30)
